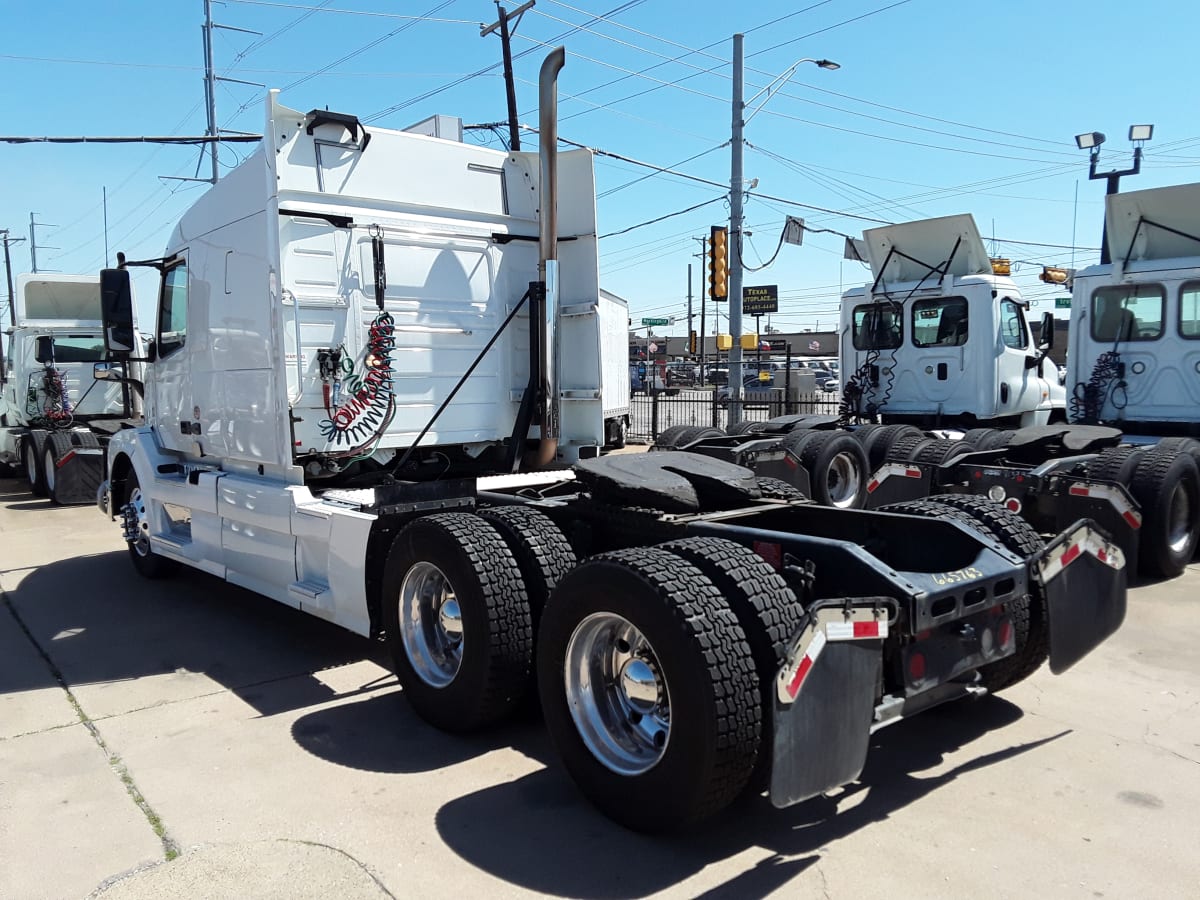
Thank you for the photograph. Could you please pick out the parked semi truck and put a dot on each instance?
(55, 414)
(367, 399)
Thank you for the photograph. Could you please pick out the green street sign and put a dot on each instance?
(653, 322)
(1062, 302)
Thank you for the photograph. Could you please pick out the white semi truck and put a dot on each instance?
(373, 395)
(54, 412)
(962, 356)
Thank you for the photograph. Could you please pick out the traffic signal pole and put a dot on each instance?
(735, 238)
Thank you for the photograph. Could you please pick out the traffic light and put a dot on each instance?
(718, 263)
(1055, 275)
(692, 342)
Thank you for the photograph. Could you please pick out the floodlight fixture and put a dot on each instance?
(1089, 141)
(1141, 132)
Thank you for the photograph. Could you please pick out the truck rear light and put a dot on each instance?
(996, 492)
(916, 666)
(1004, 634)
(1013, 504)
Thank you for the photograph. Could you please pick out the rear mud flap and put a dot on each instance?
(898, 482)
(824, 704)
(1084, 578)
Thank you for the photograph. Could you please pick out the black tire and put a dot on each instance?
(941, 450)
(745, 426)
(878, 443)
(495, 651)
(765, 607)
(1116, 464)
(698, 651)
(975, 435)
(778, 489)
(58, 444)
(32, 446)
(837, 469)
(669, 437)
(863, 432)
(797, 439)
(907, 448)
(148, 563)
(997, 440)
(1030, 622)
(542, 551)
(618, 432)
(1191, 445)
(1028, 613)
(1166, 487)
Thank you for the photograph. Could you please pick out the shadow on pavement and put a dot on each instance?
(99, 621)
(538, 833)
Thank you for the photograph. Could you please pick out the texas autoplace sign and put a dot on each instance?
(761, 300)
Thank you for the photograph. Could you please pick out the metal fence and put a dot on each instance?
(649, 416)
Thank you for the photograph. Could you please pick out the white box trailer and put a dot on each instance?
(54, 412)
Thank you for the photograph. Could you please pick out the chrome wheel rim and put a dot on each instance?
(617, 695)
(1179, 522)
(431, 624)
(30, 454)
(141, 541)
(49, 470)
(843, 480)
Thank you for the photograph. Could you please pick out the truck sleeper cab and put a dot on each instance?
(465, 555)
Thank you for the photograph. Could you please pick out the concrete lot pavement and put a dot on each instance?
(265, 753)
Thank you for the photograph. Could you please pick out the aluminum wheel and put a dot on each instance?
(1179, 529)
(616, 694)
(49, 469)
(844, 480)
(431, 624)
(136, 510)
(29, 452)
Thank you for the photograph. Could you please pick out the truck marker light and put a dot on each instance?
(1005, 634)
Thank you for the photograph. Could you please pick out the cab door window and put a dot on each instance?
(172, 309)
(1189, 310)
(1012, 325)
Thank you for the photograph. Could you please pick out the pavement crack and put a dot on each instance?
(170, 848)
(366, 869)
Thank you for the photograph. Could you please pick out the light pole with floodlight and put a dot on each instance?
(1091, 140)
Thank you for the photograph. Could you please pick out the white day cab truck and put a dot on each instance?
(55, 415)
(373, 395)
(1128, 457)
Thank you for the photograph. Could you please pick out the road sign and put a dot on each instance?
(1062, 302)
(758, 301)
(653, 322)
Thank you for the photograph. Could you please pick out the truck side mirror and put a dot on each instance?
(105, 371)
(1046, 338)
(43, 351)
(116, 311)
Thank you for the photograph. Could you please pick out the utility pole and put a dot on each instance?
(735, 237)
(12, 301)
(703, 301)
(514, 132)
(210, 98)
(33, 245)
(689, 328)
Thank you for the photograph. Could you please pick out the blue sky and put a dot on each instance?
(940, 107)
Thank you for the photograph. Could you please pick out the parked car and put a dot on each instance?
(756, 392)
(681, 374)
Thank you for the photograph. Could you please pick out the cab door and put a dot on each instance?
(1022, 391)
(173, 412)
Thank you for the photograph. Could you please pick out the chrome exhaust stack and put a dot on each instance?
(546, 334)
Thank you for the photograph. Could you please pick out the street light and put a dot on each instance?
(1138, 135)
(736, 191)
